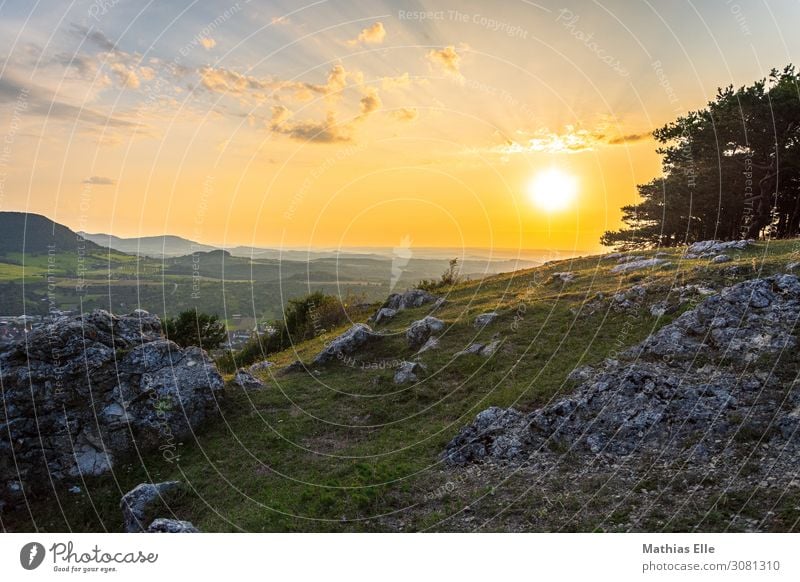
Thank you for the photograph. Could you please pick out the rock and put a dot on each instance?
(419, 331)
(384, 314)
(714, 247)
(163, 525)
(612, 256)
(431, 344)
(639, 263)
(485, 319)
(140, 505)
(260, 367)
(564, 277)
(654, 400)
(294, 367)
(407, 372)
(630, 258)
(355, 338)
(720, 259)
(479, 349)
(246, 380)
(409, 299)
(793, 265)
(82, 391)
(495, 433)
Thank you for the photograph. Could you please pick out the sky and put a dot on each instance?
(345, 123)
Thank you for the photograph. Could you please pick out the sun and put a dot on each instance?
(553, 190)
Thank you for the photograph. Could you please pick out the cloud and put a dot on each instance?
(208, 43)
(630, 138)
(327, 131)
(43, 103)
(405, 114)
(571, 140)
(127, 77)
(280, 20)
(370, 102)
(447, 59)
(99, 181)
(94, 36)
(400, 82)
(373, 34)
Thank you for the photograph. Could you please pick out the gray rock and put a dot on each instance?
(630, 258)
(141, 504)
(431, 344)
(564, 277)
(408, 372)
(83, 391)
(420, 331)
(259, 367)
(793, 265)
(246, 380)
(409, 299)
(163, 525)
(384, 314)
(715, 247)
(612, 256)
(720, 259)
(473, 349)
(355, 338)
(485, 319)
(639, 263)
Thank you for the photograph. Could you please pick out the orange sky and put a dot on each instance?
(342, 125)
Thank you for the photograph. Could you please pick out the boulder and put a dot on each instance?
(246, 380)
(141, 504)
(431, 344)
(715, 247)
(409, 299)
(355, 338)
(384, 314)
(479, 349)
(81, 392)
(259, 367)
(407, 372)
(420, 331)
(294, 367)
(564, 277)
(485, 319)
(638, 263)
(163, 525)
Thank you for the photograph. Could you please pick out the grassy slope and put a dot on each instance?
(347, 450)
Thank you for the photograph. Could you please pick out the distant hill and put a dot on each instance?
(150, 246)
(37, 234)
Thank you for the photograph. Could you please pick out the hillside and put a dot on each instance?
(150, 246)
(37, 234)
(341, 446)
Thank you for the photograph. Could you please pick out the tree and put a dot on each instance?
(191, 328)
(730, 170)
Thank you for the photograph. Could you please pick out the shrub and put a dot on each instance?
(450, 277)
(191, 328)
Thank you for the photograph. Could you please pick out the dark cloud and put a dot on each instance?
(633, 137)
(94, 36)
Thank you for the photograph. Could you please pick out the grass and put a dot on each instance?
(345, 449)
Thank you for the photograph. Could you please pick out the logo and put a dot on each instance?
(31, 555)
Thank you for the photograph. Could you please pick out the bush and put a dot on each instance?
(191, 328)
(304, 318)
(451, 276)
